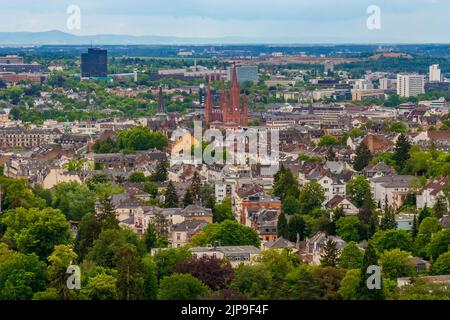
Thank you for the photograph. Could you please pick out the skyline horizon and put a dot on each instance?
(241, 40)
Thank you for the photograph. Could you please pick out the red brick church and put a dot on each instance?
(233, 109)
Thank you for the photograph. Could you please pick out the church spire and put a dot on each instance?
(161, 107)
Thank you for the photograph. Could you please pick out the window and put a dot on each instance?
(178, 236)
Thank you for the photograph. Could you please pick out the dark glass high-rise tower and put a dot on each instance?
(94, 63)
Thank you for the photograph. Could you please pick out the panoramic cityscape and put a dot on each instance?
(147, 160)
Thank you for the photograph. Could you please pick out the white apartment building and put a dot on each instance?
(410, 85)
(388, 84)
(435, 73)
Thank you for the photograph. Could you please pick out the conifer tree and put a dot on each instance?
(171, 197)
(363, 292)
(363, 157)
(401, 151)
(282, 226)
(330, 256)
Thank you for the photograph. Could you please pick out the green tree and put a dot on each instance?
(254, 281)
(60, 259)
(21, 276)
(285, 184)
(150, 278)
(351, 256)
(424, 213)
(302, 284)
(396, 264)
(130, 279)
(223, 211)
(137, 177)
(36, 231)
(101, 287)
(290, 205)
(440, 208)
(388, 220)
(427, 229)
(312, 196)
(363, 292)
(328, 140)
(330, 255)
(165, 260)
(181, 287)
(227, 233)
(150, 237)
(282, 226)
(161, 173)
(348, 228)
(18, 194)
(439, 244)
(73, 199)
(171, 197)
(349, 285)
(140, 138)
(296, 228)
(330, 279)
(442, 264)
(106, 214)
(363, 157)
(151, 188)
(87, 232)
(392, 239)
(358, 188)
(401, 151)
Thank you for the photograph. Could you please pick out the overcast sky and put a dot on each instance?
(297, 20)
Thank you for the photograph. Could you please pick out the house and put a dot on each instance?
(258, 200)
(234, 254)
(56, 176)
(280, 244)
(332, 176)
(265, 222)
(421, 265)
(183, 232)
(394, 189)
(431, 191)
(312, 249)
(380, 169)
(377, 143)
(343, 202)
(197, 212)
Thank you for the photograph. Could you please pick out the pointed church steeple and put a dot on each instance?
(161, 108)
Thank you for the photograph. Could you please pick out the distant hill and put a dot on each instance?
(56, 37)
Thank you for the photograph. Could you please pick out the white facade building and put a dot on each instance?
(410, 85)
(435, 73)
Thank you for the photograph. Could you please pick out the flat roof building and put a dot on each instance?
(94, 63)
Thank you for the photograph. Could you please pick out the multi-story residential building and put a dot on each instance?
(183, 232)
(392, 189)
(410, 85)
(431, 191)
(22, 138)
(257, 200)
